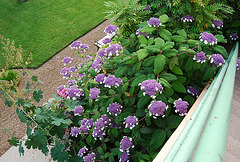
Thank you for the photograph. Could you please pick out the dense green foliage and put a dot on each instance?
(46, 27)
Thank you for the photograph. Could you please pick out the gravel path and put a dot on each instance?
(49, 73)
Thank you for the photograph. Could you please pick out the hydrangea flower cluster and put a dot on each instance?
(217, 23)
(193, 91)
(139, 33)
(200, 57)
(66, 60)
(82, 151)
(208, 38)
(96, 65)
(114, 109)
(126, 144)
(124, 157)
(107, 41)
(187, 18)
(102, 52)
(238, 63)
(181, 106)
(100, 78)
(75, 131)
(217, 59)
(111, 29)
(74, 92)
(94, 93)
(151, 87)
(234, 36)
(155, 22)
(113, 49)
(65, 72)
(71, 82)
(89, 158)
(157, 108)
(78, 110)
(87, 123)
(72, 69)
(100, 124)
(131, 122)
(83, 47)
(75, 44)
(112, 81)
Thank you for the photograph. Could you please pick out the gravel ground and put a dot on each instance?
(49, 73)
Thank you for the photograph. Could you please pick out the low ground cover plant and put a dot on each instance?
(124, 102)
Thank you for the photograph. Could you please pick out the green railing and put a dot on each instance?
(204, 136)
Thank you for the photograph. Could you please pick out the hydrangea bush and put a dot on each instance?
(124, 102)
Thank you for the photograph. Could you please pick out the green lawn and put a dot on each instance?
(44, 27)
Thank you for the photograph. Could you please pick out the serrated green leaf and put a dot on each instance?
(167, 45)
(164, 18)
(57, 152)
(209, 73)
(147, 29)
(178, 38)
(150, 41)
(158, 138)
(168, 76)
(159, 63)
(8, 103)
(189, 64)
(21, 115)
(165, 34)
(170, 52)
(143, 101)
(173, 62)
(138, 80)
(100, 151)
(37, 95)
(164, 82)
(177, 86)
(182, 33)
(131, 61)
(142, 39)
(34, 78)
(136, 67)
(120, 71)
(177, 70)
(153, 48)
(146, 130)
(193, 42)
(159, 41)
(58, 121)
(221, 39)
(181, 79)
(221, 50)
(173, 121)
(82, 70)
(142, 53)
(149, 61)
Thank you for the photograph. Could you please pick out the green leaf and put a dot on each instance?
(148, 61)
(57, 152)
(28, 85)
(20, 149)
(138, 80)
(100, 151)
(168, 76)
(165, 34)
(114, 131)
(182, 33)
(189, 64)
(147, 29)
(150, 41)
(146, 130)
(8, 103)
(164, 82)
(170, 52)
(142, 53)
(153, 48)
(13, 140)
(167, 45)
(37, 95)
(173, 62)
(82, 70)
(147, 157)
(158, 138)
(58, 121)
(136, 67)
(177, 86)
(21, 115)
(221, 50)
(177, 70)
(178, 38)
(20, 102)
(164, 18)
(173, 121)
(34, 78)
(181, 79)
(143, 101)
(131, 61)
(159, 41)
(221, 39)
(159, 63)
(142, 40)
(209, 73)
(120, 71)
(193, 42)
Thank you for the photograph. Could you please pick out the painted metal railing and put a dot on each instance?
(203, 137)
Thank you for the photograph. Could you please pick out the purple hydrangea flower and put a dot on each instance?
(157, 108)
(217, 59)
(151, 87)
(131, 122)
(65, 72)
(102, 52)
(74, 92)
(89, 158)
(100, 124)
(83, 121)
(74, 131)
(208, 38)
(113, 49)
(187, 18)
(193, 91)
(217, 23)
(98, 133)
(83, 47)
(81, 76)
(114, 109)
(100, 78)
(75, 44)
(238, 63)
(139, 33)
(93, 93)
(111, 29)
(83, 129)
(181, 106)
(124, 157)
(72, 69)
(99, 60)
(71, 82)
(105, 119)
(200, 57)
(96, 65)
(82, 151)
(87, 58)
(60, 88)
(126, 144)
(107, 41)
(78, 110)
(111, 80)
(89, 123)
(66, 60)
(155, 22)
(234, 36)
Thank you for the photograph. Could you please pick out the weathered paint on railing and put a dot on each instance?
(212, 145)
(183, 149)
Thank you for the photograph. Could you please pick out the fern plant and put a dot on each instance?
(126, 14)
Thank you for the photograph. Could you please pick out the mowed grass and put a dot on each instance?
(44, 27)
